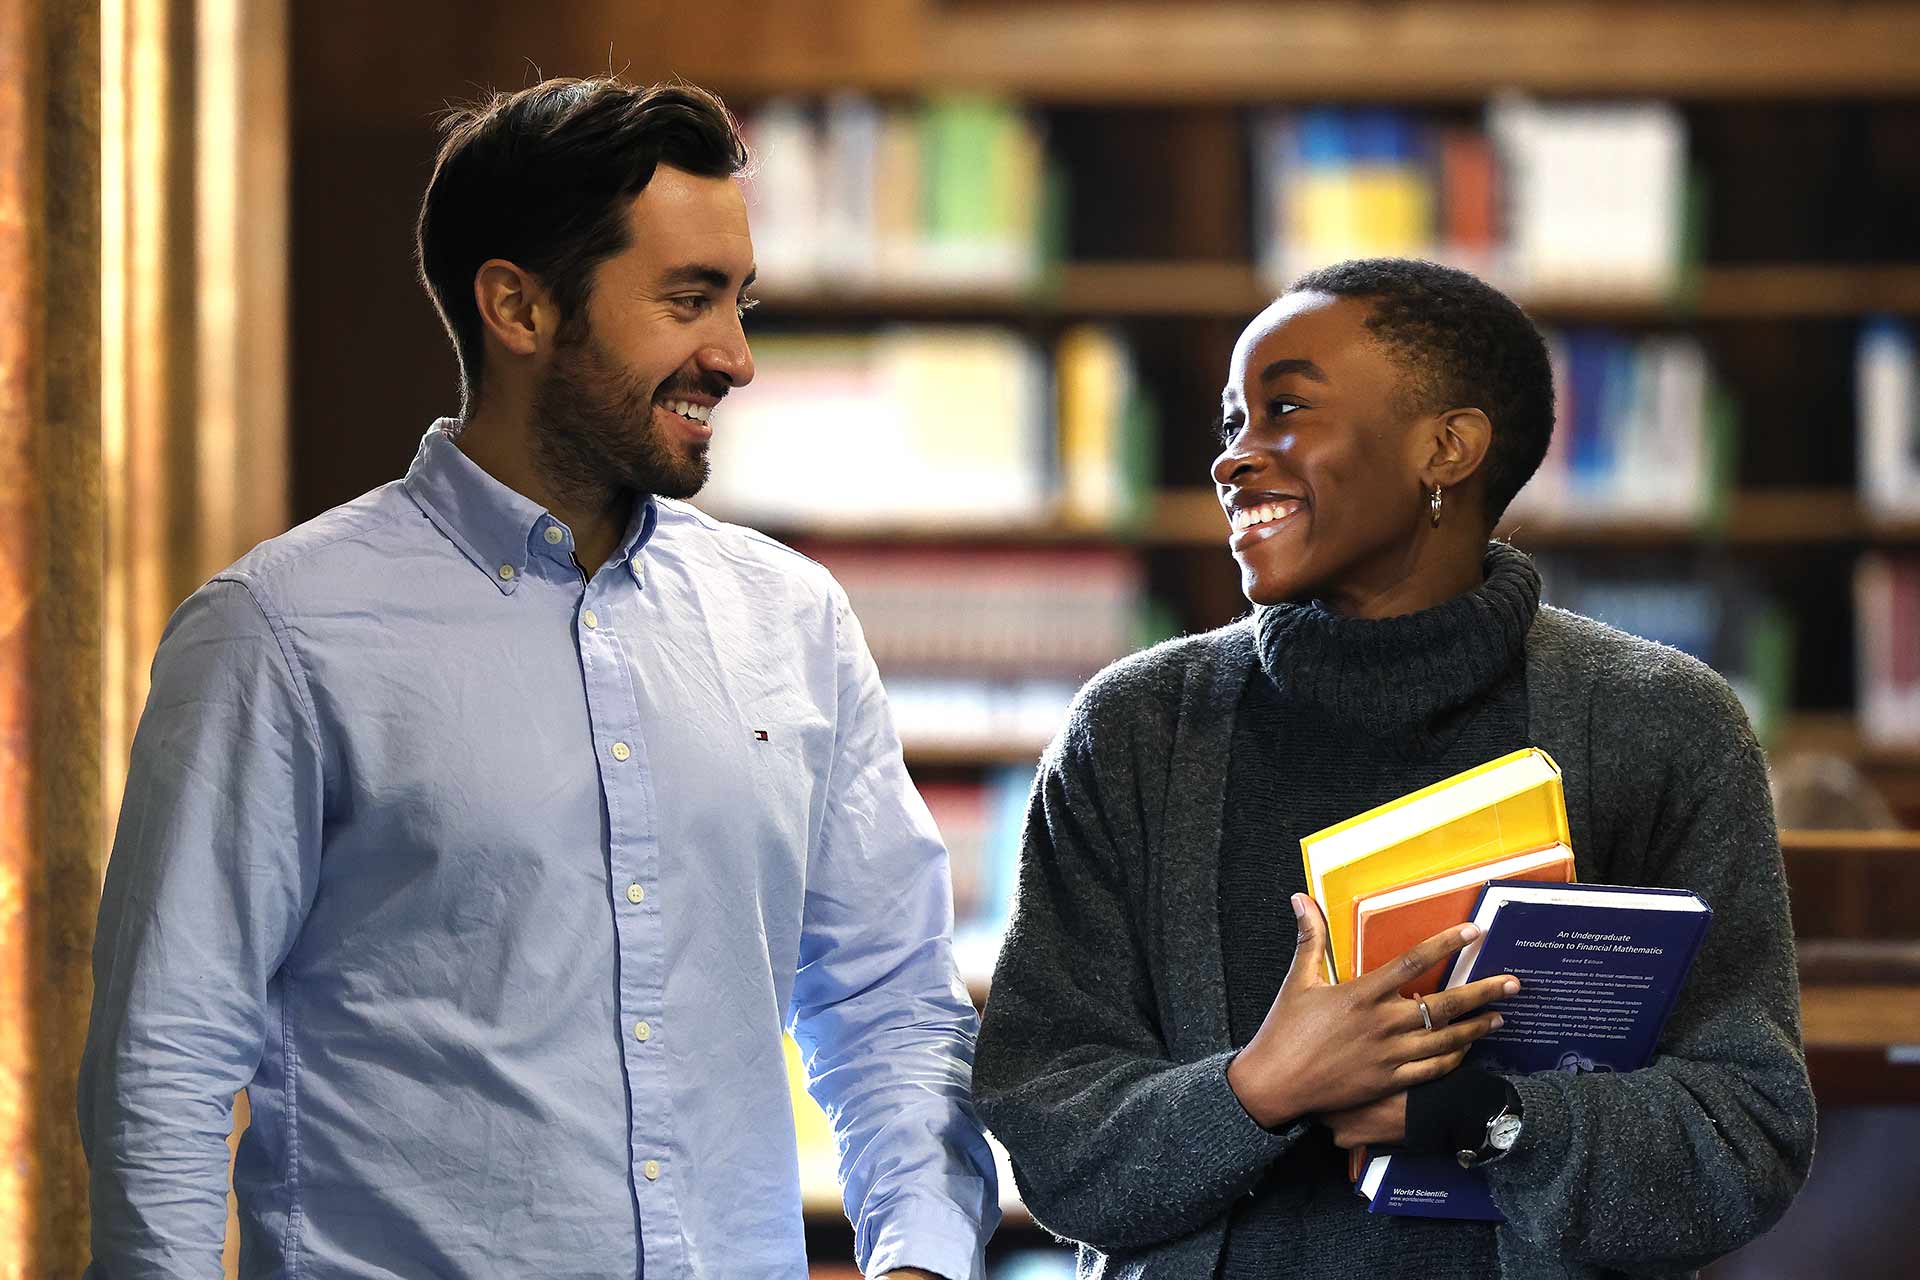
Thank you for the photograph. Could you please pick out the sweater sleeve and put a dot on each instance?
(1671, 1166)
(1114, 1143)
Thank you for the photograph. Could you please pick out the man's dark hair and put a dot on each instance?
(544, 177)
(1464, 344)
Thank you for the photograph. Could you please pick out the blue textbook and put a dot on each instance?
(1600, 967)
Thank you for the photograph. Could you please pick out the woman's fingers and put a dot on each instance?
(1416, 960)
(1457, 1002)
(1419, 1045)
(1310, 946)
(1424, 1070)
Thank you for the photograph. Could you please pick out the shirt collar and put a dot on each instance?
(495, 527)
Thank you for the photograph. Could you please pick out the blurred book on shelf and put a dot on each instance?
(1034, 1264)
(1887, 630)
(1733, 627)
(852, 194)
(981, 819)
(949, 428)
(1545, 199)
(1642, 431)
(984, 649)
(1887, 373)
(943, 425)
(1106, 431)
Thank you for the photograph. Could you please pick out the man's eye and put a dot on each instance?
(692, 302)
(745, 305)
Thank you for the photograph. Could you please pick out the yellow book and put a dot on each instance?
(1509, 805)
(1092, 381)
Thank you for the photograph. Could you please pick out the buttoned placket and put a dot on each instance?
(633, 854)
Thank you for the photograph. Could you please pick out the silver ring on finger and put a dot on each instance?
(1426, 1016)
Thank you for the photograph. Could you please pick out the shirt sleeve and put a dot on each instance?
(884, 1024)
(213, 868)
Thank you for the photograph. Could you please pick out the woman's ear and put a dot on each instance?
(1458, 441)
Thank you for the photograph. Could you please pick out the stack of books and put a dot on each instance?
(1599, 965)
(1721, 618)
(1547, 198)
(942, 428)
(1643, 432)
(1398, 867)
(984, 649)
(955, 192)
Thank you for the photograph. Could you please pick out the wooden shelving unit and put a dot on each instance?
(1191, 517)
(1228, 51)
(1234, 291)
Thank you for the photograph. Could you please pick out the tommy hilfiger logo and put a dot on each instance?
(759, 735)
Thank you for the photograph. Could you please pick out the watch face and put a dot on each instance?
(1503, 1132)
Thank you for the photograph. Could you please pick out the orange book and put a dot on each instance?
(1389, 922)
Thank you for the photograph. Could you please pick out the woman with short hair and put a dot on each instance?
(1172, 1076)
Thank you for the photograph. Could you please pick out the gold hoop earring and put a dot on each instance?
(1434, 501)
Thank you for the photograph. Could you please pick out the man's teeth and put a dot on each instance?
(687, 409)
(1247, 517)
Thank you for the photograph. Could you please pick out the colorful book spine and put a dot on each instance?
(1887, 627)
(1887, 376)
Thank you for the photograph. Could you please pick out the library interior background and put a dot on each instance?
(1005, 247)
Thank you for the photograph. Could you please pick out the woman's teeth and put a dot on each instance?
(1247, 517)
(688, 410)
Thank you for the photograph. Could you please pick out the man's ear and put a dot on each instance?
(514, 308)
(1457, 442)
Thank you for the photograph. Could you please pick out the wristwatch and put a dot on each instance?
(1503, 1130)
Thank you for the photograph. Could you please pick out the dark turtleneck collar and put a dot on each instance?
(1399, 679)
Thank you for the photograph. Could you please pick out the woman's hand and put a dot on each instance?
(1381, 1123)
(1331, 1048)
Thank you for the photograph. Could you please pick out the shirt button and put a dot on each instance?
(651, 1169)
(636, 895)
(506, 573)
(591, 618)
(621, 751)
(554, 536)
(642, 1032)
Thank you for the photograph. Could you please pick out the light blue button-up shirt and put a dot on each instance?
(495, 887)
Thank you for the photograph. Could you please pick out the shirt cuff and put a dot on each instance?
(932, 1235)
(1451, 1114)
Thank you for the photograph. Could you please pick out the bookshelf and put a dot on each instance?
(1231, 291)
(1190, 517)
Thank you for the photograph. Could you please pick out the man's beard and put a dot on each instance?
(594, 437)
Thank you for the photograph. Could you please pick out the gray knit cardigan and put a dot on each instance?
(1102, 1057)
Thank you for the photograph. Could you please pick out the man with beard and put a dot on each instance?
(488, 830)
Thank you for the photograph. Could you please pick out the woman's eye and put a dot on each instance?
(1281, 408)
(1225, 429)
